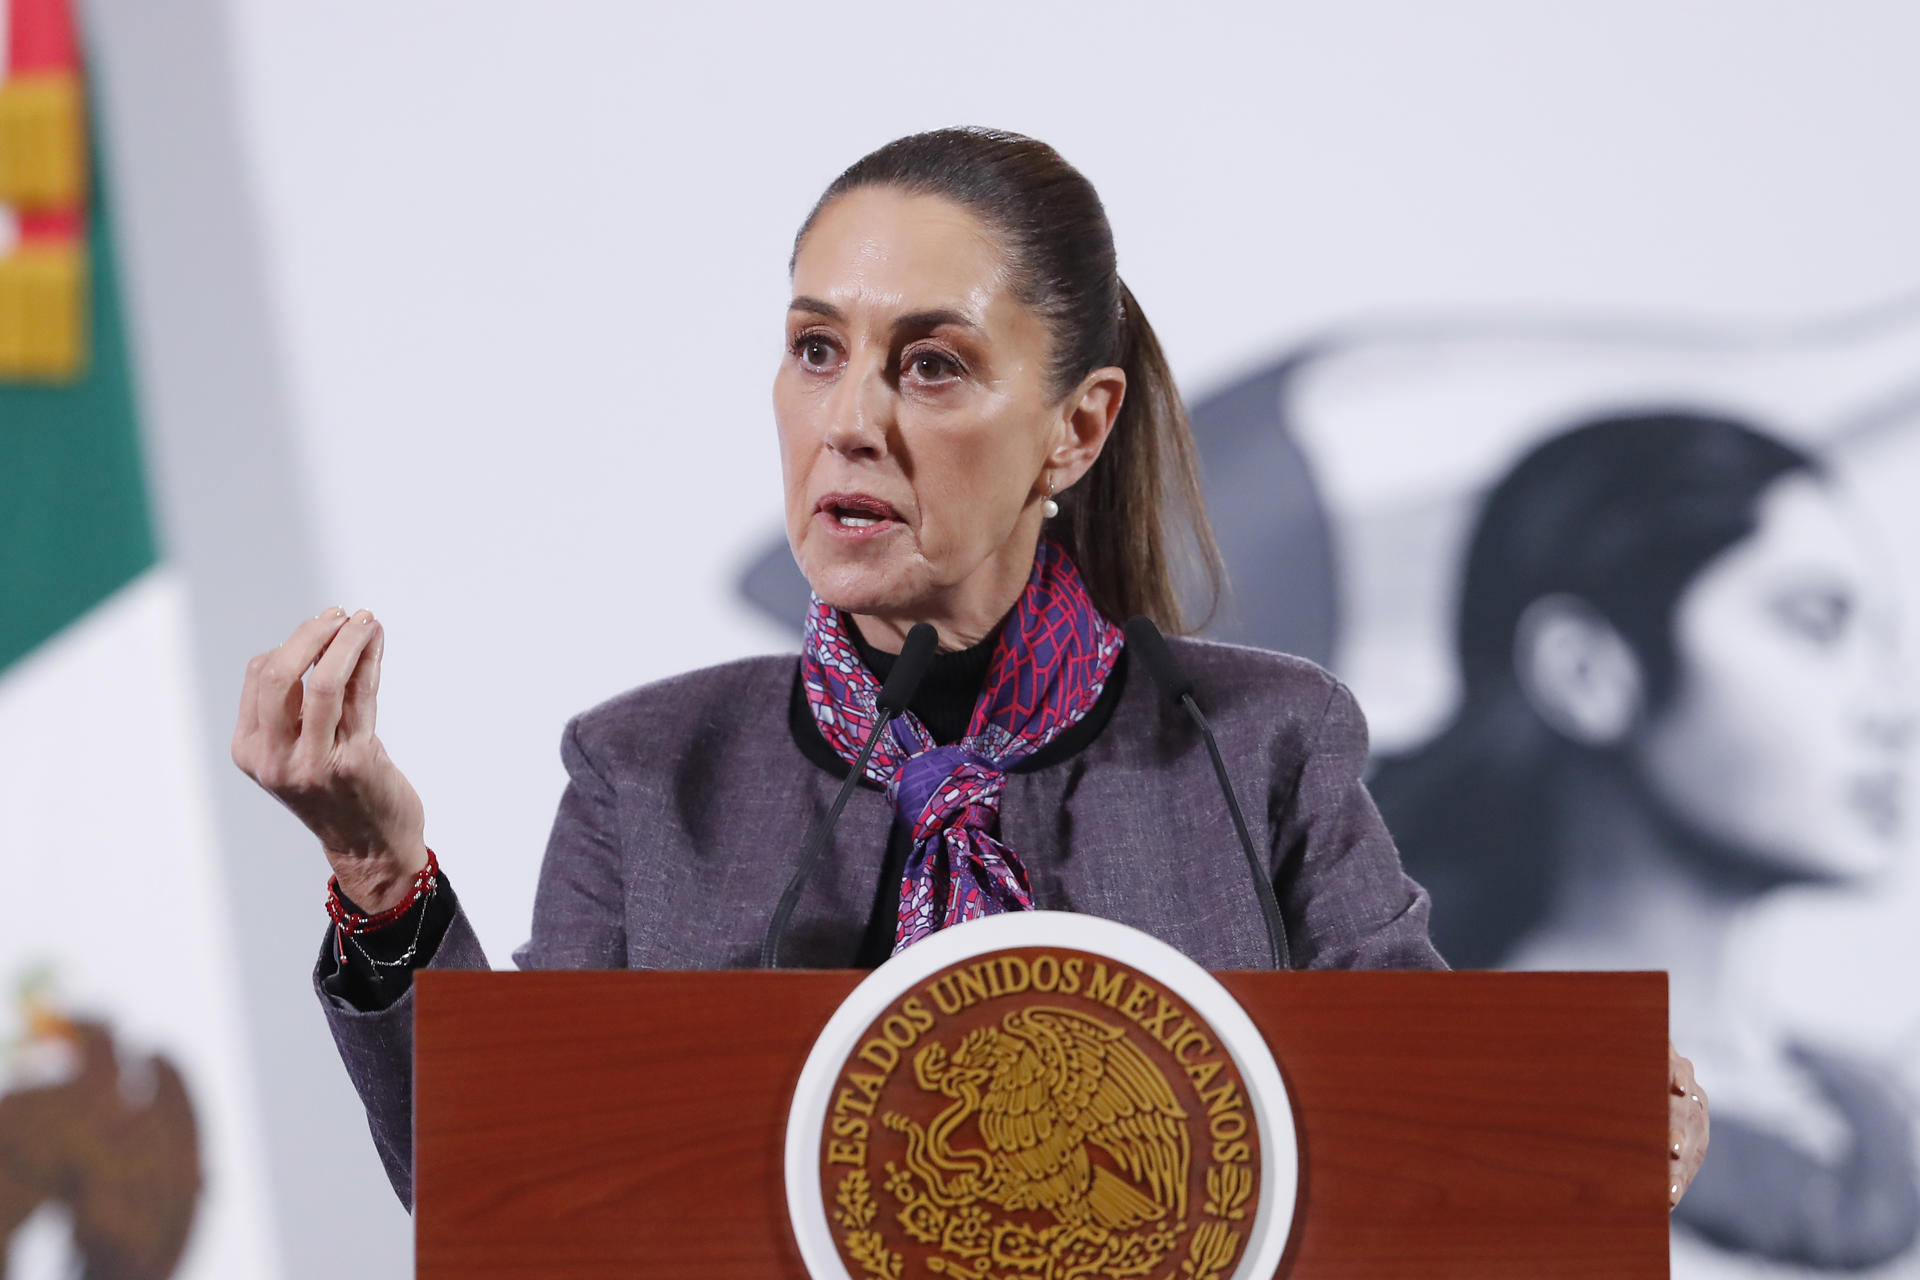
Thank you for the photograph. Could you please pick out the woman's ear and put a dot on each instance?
(1087, 415)
(1577, 671)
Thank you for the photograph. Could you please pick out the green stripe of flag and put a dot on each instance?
(75, 522)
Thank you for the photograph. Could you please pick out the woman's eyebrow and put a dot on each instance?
(923, 320)
(816, 307)
(919, 321)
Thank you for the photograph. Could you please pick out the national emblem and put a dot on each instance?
(1040, 1096)
(1050, 1141)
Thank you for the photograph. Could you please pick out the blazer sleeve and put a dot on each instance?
(1346, 901)
(577, 924)
(376, 1047)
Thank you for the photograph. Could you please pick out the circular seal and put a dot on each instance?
(1040, 1095)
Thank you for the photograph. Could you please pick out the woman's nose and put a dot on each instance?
(861, 412)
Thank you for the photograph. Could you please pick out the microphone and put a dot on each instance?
(1151, 648)
(895, 693)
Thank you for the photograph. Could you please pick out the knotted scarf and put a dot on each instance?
(1053, 659)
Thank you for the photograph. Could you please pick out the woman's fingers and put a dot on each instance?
(363, 688)
(248, 719)
(1679, 1071)
(326, 688)
(305, 734)
(1687, 1125)
(1686, 1143)
(280, 695)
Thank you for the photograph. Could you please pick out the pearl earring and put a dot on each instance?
(1049, 508)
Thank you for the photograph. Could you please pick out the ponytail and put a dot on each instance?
(1124, 522)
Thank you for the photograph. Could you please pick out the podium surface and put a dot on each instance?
(632, 1124)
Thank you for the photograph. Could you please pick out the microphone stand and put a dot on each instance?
(1151, 648)
(898, 690)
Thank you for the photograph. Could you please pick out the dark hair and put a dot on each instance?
(1621, 513)
(1120, 522)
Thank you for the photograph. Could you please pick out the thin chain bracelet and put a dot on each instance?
(347, 924)
(406, 957)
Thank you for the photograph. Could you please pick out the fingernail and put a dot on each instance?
(1673, 1192)
(1676, 1151)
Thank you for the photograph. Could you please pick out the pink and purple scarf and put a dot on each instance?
(1053, 659)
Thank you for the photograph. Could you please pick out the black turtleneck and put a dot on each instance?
(944, 701)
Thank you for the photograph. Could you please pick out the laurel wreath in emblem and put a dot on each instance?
(855, 1211)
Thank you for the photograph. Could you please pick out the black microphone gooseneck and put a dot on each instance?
(895, 693)
(1150, 647)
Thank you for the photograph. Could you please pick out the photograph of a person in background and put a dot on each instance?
(1344, 478)
(1681, 692)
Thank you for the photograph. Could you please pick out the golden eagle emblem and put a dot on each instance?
(118, 1148)
(1049, 1085)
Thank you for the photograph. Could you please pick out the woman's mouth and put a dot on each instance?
(1878, 799)
(855, 515)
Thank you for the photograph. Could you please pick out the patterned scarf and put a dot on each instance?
(1053, 659)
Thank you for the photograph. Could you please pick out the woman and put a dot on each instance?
(1680, 694)
(978, 431)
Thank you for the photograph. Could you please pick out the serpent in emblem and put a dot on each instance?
(1046, 1087)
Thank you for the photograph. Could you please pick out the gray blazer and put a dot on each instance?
(688, 801)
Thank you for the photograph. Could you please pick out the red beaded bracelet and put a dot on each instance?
(348, 923)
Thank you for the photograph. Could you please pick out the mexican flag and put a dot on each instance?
(129, 1143)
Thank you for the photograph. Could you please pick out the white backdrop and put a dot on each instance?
(530, 266)
(523, 268)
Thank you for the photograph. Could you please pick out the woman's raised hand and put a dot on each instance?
(305, 734)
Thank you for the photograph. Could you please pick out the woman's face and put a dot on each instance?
(917, 440)
(1786, 735)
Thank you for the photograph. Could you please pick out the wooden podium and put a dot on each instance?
(632, 1124)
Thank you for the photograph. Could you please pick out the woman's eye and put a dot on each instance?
(932, 366)
(815, 351)
(1820, 616)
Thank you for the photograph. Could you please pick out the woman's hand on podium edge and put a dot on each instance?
(1686, 1125)
(305, 734)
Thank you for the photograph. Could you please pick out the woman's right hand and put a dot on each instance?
(310, 743)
